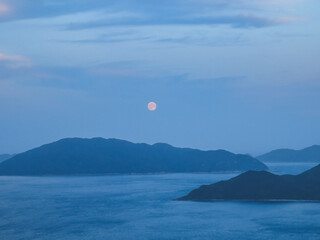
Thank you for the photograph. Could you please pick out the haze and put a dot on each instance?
(239, 75)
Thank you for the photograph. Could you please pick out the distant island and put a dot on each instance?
(74, 156)
(4, 157)
(310, 154)
(262, 186)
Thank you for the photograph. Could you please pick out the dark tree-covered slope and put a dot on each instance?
(262, 185)
(4, 157)
(310, 154)
(100, 156)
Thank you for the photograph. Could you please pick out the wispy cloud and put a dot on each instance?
(238, 21)
(4, 9)
(236, 13)
(14, 61)
(109, 38)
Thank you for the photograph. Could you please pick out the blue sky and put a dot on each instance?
(234, 74)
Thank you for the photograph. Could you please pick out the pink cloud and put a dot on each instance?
(14, 61)
(4, 9)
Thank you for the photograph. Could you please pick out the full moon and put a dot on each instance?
(152, 106)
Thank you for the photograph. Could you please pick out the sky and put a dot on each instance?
(240, 75)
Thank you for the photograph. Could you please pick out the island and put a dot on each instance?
(74, 156)
(4, 157)
(307, 155)
(262, 186)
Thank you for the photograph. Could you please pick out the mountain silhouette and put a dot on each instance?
(101, 156)
(4, 157)
(262, 185)
(310, 154)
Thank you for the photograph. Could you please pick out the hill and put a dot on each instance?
(310, 154)
(101, 156)
(261, 186)
(4, 157)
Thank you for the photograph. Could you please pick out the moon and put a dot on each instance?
(152, 106)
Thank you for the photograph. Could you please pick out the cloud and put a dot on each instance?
(12, 58)
(108, 39)
(4, 9)
(199, 37)
(22, 9)
(235, 13)
(14, 61)
(238, 21)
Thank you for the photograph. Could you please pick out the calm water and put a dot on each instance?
(141, 207)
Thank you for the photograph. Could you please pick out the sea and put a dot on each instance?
(142, 207)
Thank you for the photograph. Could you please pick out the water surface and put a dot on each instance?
(141, 207)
